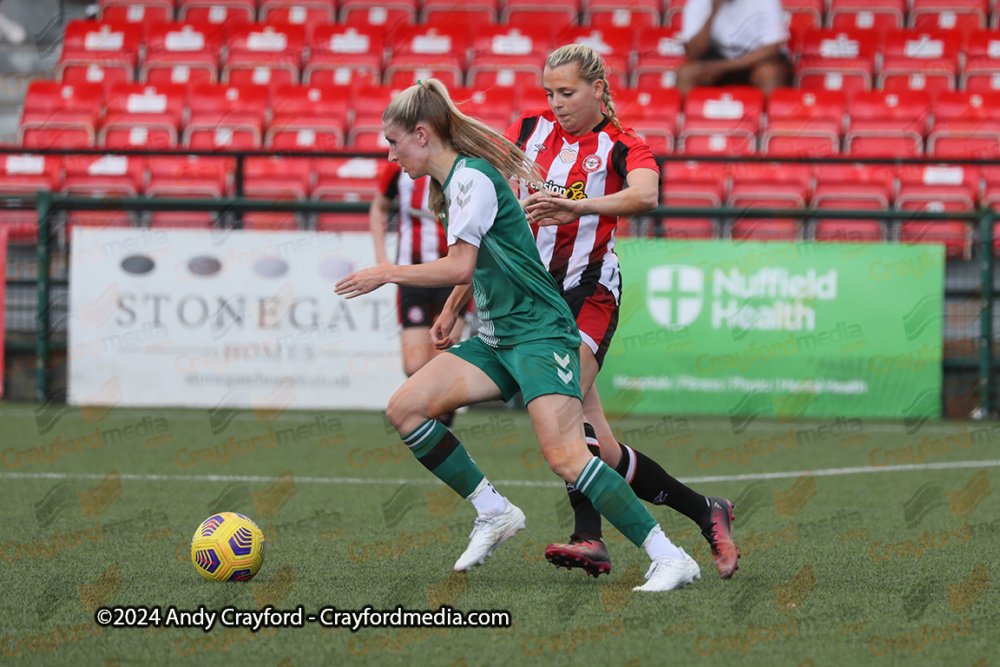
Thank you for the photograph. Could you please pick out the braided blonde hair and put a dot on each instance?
(591, 67)
(429, 102)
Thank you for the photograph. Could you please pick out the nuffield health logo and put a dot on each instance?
(674, 295)
(768, 299)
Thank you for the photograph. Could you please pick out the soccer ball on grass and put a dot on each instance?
(227, 547)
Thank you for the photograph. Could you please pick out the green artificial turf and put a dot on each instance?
(866, 567)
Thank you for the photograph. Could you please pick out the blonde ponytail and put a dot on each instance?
(591, 68)
(429, 102)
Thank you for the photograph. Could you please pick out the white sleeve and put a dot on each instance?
(696, 12)
(472, 208)
(774, 30)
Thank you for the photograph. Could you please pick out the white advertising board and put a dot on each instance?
(232, 319)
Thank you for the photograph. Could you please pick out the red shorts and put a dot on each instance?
(596, 311)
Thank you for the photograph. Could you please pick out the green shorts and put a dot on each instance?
(536, 368)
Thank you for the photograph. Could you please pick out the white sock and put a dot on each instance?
(659, 546)
(486, 500)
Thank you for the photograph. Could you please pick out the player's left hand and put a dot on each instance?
(552, 208)
(363, 281)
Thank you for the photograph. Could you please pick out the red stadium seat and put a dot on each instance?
(947, 187)
(24, 176)
(920, 60)
(183, 53)
(143, 116)
(560, 14)
(982, 66)
(614, 45)
(693, 184)
(226, 117)
(389, 14)
(631, 14)
(962, 15)
(876, 15)
(938, 189)
(306, 13)
(275, 179)
(107, 177)
(652, 114)
(955, 235)
(884, 123)
(511, 57)
(965, 125)
(852, 187)
(422, 52)
(136, 11)
(217, 11)
(493, 106)
(188, 177)
(60, 115)
(804, 122)
(769, 185)
(342, 54)
(833, 230)
(673, 16)
(107, 77)
(366, 127)
(722, 120)
(110, 46)
(837, 60)
(453, 14)
(309, 118)
(813, 9)
(658, 55)
(347, 180)
(264, 55)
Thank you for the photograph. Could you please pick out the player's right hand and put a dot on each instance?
(441, 331)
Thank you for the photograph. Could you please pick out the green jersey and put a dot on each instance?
(517, 299)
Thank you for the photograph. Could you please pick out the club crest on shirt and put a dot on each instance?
(568, 156)
(592, 163)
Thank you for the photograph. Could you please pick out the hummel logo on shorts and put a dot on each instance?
(565, 376)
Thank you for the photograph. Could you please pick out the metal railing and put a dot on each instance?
(48, 205)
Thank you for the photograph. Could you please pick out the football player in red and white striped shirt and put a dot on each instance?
(596, 171)
(422, 239)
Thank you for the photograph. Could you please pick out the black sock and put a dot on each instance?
(652, 484)
(588, 519)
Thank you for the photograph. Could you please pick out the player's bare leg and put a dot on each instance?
(558, 425)
(444, 384)
(586, 548)
(418, 350)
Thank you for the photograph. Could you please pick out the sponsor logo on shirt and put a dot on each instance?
(573, 191)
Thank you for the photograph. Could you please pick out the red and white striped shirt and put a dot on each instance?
(594, 165)
(422, 238)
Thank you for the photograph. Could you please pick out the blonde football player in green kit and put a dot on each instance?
(528, 341)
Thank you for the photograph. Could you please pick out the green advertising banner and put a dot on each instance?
(776, 329)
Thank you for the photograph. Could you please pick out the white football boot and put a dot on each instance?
(488, 533)
(670, 574)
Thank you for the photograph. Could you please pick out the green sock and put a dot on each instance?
(616, 501)
(439, 451)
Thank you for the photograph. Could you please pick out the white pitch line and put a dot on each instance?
(868, 424)
(826, 472)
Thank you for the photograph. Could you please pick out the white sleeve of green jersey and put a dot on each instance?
(473, 206)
